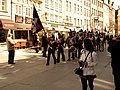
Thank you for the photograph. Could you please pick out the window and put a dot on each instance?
(56, 5)
(74, 8)
(75, 21)
(81, 23)
(19, 9)
(51, 17)
(47, 3)
(56, 18)
(3, 5)
(60, 19)
(60, 8)
(70, 7)
(78, 9)
(84, 11)
(78, 22)
(70, 19)
(66, 18)
(28, 11)
(47, 16)
(52, 4)
(66, 5)
(81, 10)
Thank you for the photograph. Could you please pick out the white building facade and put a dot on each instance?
(6, 22)
(106, 16)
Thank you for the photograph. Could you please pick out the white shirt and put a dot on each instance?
(10, 40)
(92, 62)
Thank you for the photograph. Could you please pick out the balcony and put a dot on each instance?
(39, 1)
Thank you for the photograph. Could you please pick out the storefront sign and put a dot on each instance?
(18, 19)
(28, 20)
(8, 25)
(54, 25)
(23, 26)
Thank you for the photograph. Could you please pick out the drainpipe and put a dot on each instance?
(11, 19)
(90, 16)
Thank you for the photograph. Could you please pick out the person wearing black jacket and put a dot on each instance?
(114, 49)
(60, 48)
(44, 44)
(51, 50)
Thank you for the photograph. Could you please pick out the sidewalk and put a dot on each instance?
(19, 54)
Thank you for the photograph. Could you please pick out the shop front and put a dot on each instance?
(5, 25)
(22, 34)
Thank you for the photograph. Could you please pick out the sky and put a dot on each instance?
(116, 3)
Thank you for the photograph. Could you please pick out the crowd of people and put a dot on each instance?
(79, 44)
(73, 42)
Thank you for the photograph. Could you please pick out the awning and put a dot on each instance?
(7, 24)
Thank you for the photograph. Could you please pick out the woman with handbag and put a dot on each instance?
(88, 65)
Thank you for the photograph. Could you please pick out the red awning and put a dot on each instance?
(7, 24)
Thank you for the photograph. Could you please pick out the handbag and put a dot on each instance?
(79, 70)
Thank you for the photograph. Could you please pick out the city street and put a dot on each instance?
(31, 73)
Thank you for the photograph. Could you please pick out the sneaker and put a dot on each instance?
(11, 63)
(68, 60)
(47, 64)
(58, 61)
(64, 62)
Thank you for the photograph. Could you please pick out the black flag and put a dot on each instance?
(36, 23)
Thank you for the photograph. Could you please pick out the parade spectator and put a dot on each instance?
(11, 50)
(89, 66)
(114, 49)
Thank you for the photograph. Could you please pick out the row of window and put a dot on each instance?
(3, 5)
(96, 12)
(59, 19)
(77, 9)
(57, 5)
(19, 10)
(97, 3)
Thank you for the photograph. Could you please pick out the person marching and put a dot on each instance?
(69, 45)
(51, 50)
(60, 48)
(44, 44)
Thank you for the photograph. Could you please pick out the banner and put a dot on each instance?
(36, 23)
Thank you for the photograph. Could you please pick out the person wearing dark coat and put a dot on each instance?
(114, 49)
(51, 50)
(44, 44)
(60, 48)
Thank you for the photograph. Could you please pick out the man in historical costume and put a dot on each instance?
(44, 44)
